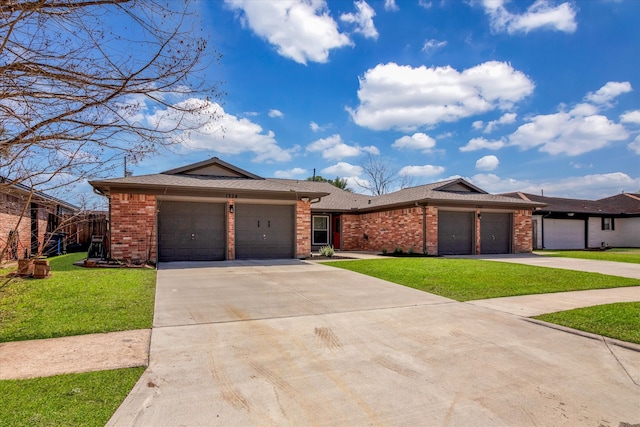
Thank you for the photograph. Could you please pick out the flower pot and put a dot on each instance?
(25, 267)
(41, 269)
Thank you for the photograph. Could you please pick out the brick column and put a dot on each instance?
(432, 230)
(231, 230)
(303, 229)
(478, 223)
(522, 231)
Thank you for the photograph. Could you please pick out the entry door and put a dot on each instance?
(337, 226)
(455, 233)
(264, 231)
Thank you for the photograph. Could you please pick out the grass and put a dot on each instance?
(619, 320)
(631, 255)
(88, 399)
(76, 301)
(470, 279)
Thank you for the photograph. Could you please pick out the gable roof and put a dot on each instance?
(615, 205)
(22, 191)
(215, 178)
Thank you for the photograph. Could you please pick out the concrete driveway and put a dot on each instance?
(301, 344)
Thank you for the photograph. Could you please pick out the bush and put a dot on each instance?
(327, 251)
(397, 250)
(384, 251)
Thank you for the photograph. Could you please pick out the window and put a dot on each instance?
(320, 230)
(608, 224)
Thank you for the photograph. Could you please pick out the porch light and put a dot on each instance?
(230, 208)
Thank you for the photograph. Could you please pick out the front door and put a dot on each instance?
(336, 231)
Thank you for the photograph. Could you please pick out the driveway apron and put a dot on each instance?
(300, 344)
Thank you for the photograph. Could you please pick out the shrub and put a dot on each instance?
(327, 251)
(384, 251)
(397, 250)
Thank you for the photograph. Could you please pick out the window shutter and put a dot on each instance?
(613, 223)
(602, 223)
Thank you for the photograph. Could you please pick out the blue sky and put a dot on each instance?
(513, 96)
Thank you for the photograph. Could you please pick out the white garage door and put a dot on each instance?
(563, 233)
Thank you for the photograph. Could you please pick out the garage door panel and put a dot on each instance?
(495, 233)
(191, 231)
(455, 233)
(563, 233)
(264, 231)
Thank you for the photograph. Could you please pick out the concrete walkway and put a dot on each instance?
(299, 343)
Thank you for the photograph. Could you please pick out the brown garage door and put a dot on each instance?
(455, 233)
(495, 233)
(191, 231)
(264, 231)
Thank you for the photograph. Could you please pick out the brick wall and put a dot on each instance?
(399, 228)
(10, 211)
(522, 231)
(351, 233)
(431, 213)
(133, 227)
(303, 229)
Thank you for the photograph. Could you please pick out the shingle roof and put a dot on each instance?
(618, 204)
(186, 179)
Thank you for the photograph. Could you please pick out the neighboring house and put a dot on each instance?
(212, 210)
(32, 222)
(584, 224)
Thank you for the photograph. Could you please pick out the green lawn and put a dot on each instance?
(73, 301)
(76, 300)
(631, 255)
(470, 279)
(620, 320)
(88, 399)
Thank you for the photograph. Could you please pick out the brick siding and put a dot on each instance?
(303, 229)
(133, 227)
(522, 231)
(399, 228)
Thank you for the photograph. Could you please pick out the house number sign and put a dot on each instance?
(232, 196)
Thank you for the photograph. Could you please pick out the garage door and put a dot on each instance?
(495, 233)
(563, 233)
(264, 231)
(455, 233)
(191, 231)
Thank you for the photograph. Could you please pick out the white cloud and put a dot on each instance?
(417, 141)
(591, 187)
(506, 119)
(333, 148)
(432, 44)
(539, 15)
(635, 145)
(403, 97)
(390, 5)
(477, 125)
(480, 143)
(424, 3)
(608, 92)
(301, 30)
(426, 170)
(572, 132)
(290, 173)
(487, 163)
(342, 169)
(631, 117)
(227, 134)
(276, 113)
(362, 19)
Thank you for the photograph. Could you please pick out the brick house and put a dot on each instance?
(212, 210)
(27, 220)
